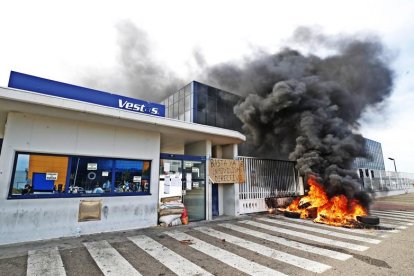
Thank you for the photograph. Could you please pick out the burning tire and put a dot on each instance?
(370, 220)
(290, 214)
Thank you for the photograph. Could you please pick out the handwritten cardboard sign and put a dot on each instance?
(226, 170)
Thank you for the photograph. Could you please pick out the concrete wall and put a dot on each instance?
(36, 219)
(230, 191)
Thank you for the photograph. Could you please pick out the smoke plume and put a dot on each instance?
(306, 108)
(137, 73)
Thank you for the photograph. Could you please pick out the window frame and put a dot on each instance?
(67, 183)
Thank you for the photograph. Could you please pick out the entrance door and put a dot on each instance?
(185, 176)
(194, 184)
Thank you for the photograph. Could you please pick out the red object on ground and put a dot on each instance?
(184, 216)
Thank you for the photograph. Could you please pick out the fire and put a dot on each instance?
(337, 211)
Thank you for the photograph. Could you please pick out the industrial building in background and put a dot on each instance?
(374, 159)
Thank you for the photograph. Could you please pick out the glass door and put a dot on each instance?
(194, 184)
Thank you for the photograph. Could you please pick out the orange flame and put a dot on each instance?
(337, 211)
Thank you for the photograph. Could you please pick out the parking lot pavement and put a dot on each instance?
(403, 202)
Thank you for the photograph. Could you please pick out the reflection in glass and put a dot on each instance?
(35, 174)
(49, 174)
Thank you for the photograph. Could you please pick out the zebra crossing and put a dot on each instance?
(261, 245)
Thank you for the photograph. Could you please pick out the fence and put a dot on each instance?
(377, 180)
(265, 178)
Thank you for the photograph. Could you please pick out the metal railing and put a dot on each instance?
(268, 178)
(377, 180)
(265, 178)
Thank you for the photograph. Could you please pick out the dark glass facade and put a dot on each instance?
(375, 159)
(204, 104)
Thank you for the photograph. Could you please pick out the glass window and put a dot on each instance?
(187, 89)
(1, 144)
(181, 94)
(90, 175)
(175, 110)
(37, 174)
(170, 111)
(176, 96)
(188, 116)
(187, 103)
(131, 176)
(201, 117)
(181, 106)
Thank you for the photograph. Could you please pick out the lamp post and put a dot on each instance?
(395, 167)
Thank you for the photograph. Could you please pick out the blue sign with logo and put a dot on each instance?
(69, 91)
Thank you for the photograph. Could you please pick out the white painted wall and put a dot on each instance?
(230, 191)
(36, 219)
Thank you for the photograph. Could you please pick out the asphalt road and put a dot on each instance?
(259, 244)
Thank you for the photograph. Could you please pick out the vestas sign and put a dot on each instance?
(69, 91)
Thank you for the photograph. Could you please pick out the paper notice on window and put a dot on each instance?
(176, 182)
(51, 176)
(136, 178)
(92, 166)
(104, 173)
(188, 181)
(167, 185)
(166, 167)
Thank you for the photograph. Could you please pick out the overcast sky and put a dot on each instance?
(77, 41)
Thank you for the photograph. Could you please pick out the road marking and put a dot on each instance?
(109, 260)
(404, 216)
(370, 232)
(224, 256)
(167, 257)
(392, 217)
(395, 222)
(308, 236)
(321, 231)
(266, 251)
(395, 212)
(289, 243)
(45, 262)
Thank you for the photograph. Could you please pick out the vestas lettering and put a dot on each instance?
(137, 107)
(69, 91)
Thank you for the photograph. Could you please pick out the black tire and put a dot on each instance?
(370, 220)
(290, 214)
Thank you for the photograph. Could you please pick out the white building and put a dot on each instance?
(57, 152)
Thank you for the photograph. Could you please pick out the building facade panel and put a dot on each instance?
(38, 218)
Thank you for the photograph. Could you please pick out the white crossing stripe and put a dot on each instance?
(404, 216)
(45, 262)
(224, 256)
(109, 260)
(396, 222)
(307, 236)
(167, 257)
(395, 212)
(289, 243)
(392, 217)
(321, 231)
(369, 232)
(266, 251)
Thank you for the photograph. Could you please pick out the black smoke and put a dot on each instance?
(306, 107)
